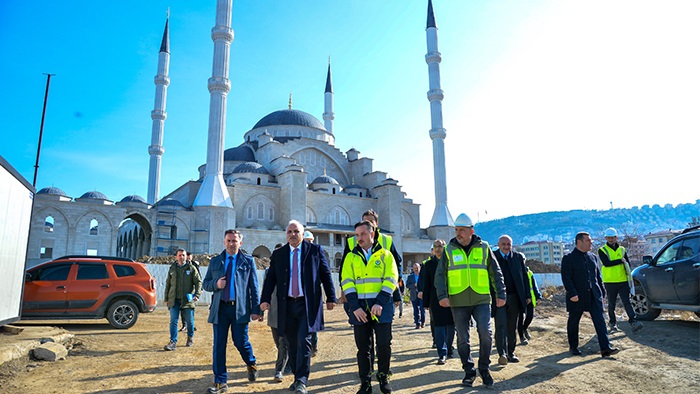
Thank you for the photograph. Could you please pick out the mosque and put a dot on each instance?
(287, 167)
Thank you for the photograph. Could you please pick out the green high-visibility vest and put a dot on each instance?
(384, 240)
(465, 272)
(616, 273)
(532, 288)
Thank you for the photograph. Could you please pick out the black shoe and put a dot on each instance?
(450, 355)
(300, 389)
(575, 351)
(417, 326)
(252, 373)
(513, 359)
(365, 387)
(314, 352)
(384, 385)
(183, 328)
(218, 388)
(523, 341)
(469, 378)
(526, 333)
(441, 360)
(609, 352)
(486, 377)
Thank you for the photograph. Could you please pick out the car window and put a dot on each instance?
(124, 270)
(670, 254)
(690, 248)
(53, 272)
(92, 271)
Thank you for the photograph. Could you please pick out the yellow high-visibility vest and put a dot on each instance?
(616, 273)
(369, 278)
(467, 271)
(384, 240)
(532, 288)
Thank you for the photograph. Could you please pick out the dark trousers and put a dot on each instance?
(444, 339)
(239, 333)
(418, 311)
(598, 322)
(363, 339)
(281, 345)
(623, 289)
(525, 319)
(500, 320)
(513, 311)
(482, 315)
(298, 339)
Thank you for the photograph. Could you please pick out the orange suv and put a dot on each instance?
(89, 287)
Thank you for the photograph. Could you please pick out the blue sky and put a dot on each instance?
(549, 105)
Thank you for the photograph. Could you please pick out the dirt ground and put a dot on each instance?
(662, 357)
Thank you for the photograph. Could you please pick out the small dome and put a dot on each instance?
(52, 190)
(133, 198)
(250, 166)
(95, 195)
(240, 153)
(353, 186)
(170, 202)
(325, 179)
(292, 117)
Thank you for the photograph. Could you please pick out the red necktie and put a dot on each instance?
(295, 273)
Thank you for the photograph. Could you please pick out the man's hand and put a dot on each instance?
(500, 302)
(264, 306)
(255, 317)
(167, 304)
(574, 298)
(360, 315)
(330, 305)
(221, 283)
(376, 310)
(445, 302)
(342, 297)
(420, 295)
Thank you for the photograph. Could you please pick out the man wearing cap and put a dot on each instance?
(464, 277)
(580, 274)
(617, 278)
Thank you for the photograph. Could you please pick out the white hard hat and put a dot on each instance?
(463, 221)
(308, 234)
(611, 232)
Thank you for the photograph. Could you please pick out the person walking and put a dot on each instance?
(512, 266)
(463, 280)
(580, 274)
(617, 278)
(183, 287)
(195, 264)
(297, 271)
(524, 319)
(233, 281)
(441, 319)
(369, 279)
(280, 342)
(412, 284)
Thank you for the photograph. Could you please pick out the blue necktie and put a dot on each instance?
(229, 294)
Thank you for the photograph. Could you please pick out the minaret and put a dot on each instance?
(213, 192)
(158, 115)
(328, 114)
(441, 215)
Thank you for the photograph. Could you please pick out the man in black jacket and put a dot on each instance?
(512, 265)
(580, 274)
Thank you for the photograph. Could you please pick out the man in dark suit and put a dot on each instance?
(297, 271)
(580, 273)
(512, 265)
(233, 280)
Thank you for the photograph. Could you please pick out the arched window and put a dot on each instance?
(48, 224)
(258, 181)
(250, 213)
(333, 190)
(93, 227)
(310, 216)
(338, 215)
(261, 210)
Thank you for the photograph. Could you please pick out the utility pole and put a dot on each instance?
(41, 129)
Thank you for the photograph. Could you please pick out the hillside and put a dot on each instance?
(563, 226)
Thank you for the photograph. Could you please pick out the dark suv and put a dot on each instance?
(671, 279)
(89, 287)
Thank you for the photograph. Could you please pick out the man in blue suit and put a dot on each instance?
(233, 280)
(580, 274)
(297, 271)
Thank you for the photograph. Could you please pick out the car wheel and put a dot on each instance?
(122, 314)
(642, 306)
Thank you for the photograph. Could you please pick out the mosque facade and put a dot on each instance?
(287, 167)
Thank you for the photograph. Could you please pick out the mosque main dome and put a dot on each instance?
(290, 117)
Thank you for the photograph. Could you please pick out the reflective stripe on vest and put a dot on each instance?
(384, 240)
(532, 288)
(367, 280)
(467, 271)
(616, 273)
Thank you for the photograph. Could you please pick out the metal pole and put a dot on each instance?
(41, 129)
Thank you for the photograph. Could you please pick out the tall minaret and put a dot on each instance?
(158, 115)
(213, 192)
(441, 215)
(328, 114)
